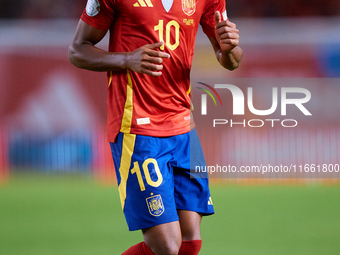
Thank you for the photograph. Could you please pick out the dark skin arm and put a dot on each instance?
(225, 43)
(84, 54)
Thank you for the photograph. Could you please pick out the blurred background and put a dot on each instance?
(56, 171)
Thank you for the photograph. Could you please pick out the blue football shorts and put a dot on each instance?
(154, 178)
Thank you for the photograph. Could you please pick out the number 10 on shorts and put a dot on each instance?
(136, 170)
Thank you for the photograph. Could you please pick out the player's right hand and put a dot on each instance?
(147, 59)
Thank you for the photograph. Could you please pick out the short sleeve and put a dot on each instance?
(99, 13)
(208, 21)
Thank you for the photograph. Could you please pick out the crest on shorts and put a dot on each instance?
(189, 7)
(155, 205)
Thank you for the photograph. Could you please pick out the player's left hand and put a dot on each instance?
(226, 33)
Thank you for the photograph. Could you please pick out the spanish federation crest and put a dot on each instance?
(155, 205)
(189, 7)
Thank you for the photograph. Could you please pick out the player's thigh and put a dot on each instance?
(163, 238)
(190, 223)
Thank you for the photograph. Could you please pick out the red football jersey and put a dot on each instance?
(138, 103)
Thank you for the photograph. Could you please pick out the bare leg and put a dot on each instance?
(190, 225)
(164, 239)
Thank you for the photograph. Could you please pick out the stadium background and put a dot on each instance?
(57, 188)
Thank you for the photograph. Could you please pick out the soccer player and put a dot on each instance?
(150, 128)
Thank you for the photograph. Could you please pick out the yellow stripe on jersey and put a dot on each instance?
(128, 108)
(189, 90)
(125, 163)
(191, 104)
(110, 80)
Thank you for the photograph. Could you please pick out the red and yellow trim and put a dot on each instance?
(128, 108)
(110, 80)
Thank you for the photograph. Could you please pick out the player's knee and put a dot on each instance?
(191, 235)
(168, 248)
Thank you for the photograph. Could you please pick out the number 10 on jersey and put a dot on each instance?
(168, 28)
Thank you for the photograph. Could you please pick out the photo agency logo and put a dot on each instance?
(238, 105)
(204, 97)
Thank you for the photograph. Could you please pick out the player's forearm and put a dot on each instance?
(230, 59)
(87, 56)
